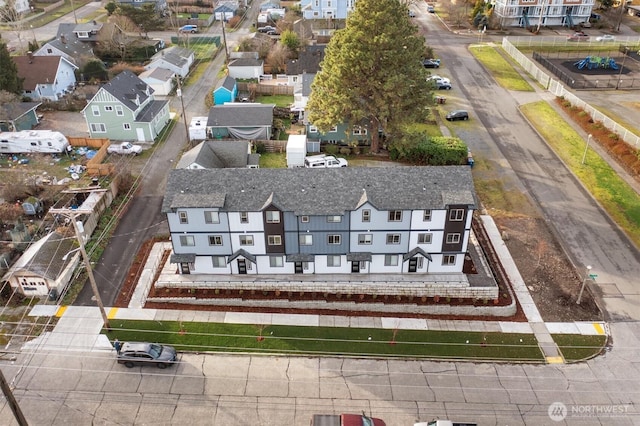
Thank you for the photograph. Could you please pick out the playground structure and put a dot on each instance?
(594, 62)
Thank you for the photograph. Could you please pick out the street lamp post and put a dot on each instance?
(626, 50)
(584, 283)
(34, 34)
(586, 148)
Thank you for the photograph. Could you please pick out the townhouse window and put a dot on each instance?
(333, 261)
(211, 216)
(453, 238)
(313, 129)
(390, 260)
(427, 216)
(334, 239)
(317, 3)
(108, 108)
(219, 262)
(334, 219)
(215, 240)
(395, 215)
(393, 238)
(456, 215)
(119, 110)
(365, 239)
(306, 240)
(366, 215)
(95, 110)
(273, 216)
(246, 240)
(98, 128)
(274, 240)
(425, 238)
(187, 241)
(244, 217)
(359, 131)
(304, 219)
(449, 259)
(182, 216)
(126, 126)
(276, 261)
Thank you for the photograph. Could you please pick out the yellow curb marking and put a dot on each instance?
(555, 360)
(61, 311)
(112, 313)
(599, 328)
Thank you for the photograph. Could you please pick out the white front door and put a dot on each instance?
(140, 133)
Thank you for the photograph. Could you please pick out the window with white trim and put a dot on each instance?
(304, 219)
(276, 261)
(306, 239)
(393, 238)
(334, 219)
(395, 216)
(98, 128)
(456, 215)
(246, 240)
(108, 108)
(274, 240)
(273, 216)
(334, 129)
(183, 217)
(244, 217)
(427, 216)
(219, 261)
(95, 110)
(215, 240)
(333, 261)
(126, 126)
(211, 216)
(390, 260)
(334, 239)
(453, 238)
(425, 238)
(366, 215)
(449, 259)
(359, 131)
(187, 241)
(365, 239)
(313, 129)
(119, 111)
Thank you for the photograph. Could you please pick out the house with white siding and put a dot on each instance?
(326, 9)
(546, 13)
(45, 77)
(353, 220)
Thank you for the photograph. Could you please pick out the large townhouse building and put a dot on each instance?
(413, 220)
(533, 13)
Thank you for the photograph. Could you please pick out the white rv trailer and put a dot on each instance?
(27, 141)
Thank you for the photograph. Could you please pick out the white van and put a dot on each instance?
(324, 161)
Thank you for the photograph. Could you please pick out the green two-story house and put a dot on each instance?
(125, 109)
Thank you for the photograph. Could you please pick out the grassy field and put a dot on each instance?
(283, 101)
(292, 340)
(501, 69)
(619, 199)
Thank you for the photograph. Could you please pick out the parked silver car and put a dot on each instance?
(142, 353)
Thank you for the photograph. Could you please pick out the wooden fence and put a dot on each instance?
(265, 89)
(95, 166)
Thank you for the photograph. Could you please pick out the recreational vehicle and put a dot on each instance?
(26, 141)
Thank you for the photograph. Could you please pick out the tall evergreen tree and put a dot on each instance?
(372, 73)
(9, 79)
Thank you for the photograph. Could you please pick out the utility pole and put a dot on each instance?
(224, 40)
(87, 264)
(11, 400)
(184, 114)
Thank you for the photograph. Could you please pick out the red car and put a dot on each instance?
(579, 36)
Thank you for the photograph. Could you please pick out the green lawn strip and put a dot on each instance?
(298, 340)
(283, 101)
(575, 347)
(620, 201)
(577, 48)
(273, 160)
(504, 73)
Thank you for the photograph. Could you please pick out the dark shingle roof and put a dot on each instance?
(307, 79)
(240, 115)
(227, 83)
(151, 111)
(321, 191)
(216, 155)
(13, 110)
(178, 56)
(125, 87)
(245, 62)
(308, 61)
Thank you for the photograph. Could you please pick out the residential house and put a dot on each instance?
(269, 4)
(125, 109)
(19, 6)
(225, 10)
(158, 5)
(326, 9)
(301, 94)
(17, 116)
(161, 80)
(341, 134)
(75, 42)
(541, 12)
(45, 268)
(308, 62)
(219, 155)
(226, 91)
(175, 58)
(240, 120)
(246, 68)
(395, 220)
(45, 77)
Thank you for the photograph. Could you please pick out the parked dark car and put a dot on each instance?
(142, 353)
(431, 63)
(457, 115)
(273, 32)
(266, 29)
